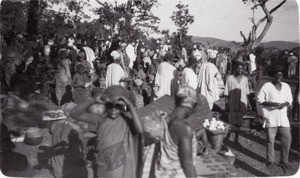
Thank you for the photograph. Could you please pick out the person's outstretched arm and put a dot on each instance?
(185, 151)
(135, 118)
(79, 113)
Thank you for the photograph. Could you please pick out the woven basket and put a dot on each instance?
(33, 136)
(216, 138)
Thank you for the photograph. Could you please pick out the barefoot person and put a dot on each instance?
(275, 97)
(236, 95)
(175, 153)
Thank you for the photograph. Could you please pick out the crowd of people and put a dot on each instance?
(105, 82)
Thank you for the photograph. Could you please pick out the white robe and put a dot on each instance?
(90, 55)
(197, 54)
(114, 74)
(184, 54)
(131, 54)
(252, 58)
(207, 82)
(163, 79)
(189, 78)
(212, 53)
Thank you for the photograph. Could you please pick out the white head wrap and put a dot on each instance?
(115, 55)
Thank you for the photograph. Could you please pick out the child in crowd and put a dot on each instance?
(141, 74)
(116, 133)
(137, 93)
(102, 78)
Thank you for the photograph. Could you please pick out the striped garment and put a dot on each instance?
(147, 160)
(139, 99)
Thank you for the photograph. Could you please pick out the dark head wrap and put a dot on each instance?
(192, 62)
(275, 69)
(168, 57)
(112, 92)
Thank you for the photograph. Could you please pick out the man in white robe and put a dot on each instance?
(252, 58)
(90, 55)
(131, 54)
(165, 75)
(207, 82)
(184, 54)
(114, 71)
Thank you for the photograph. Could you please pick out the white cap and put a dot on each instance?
(123, 45)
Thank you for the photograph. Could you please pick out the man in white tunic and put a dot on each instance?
(189, 77)
(275, 97)
(236, 95)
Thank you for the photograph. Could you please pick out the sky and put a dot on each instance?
(224, 19)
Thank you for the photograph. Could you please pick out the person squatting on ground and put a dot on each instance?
(275, 98)
(116, 134)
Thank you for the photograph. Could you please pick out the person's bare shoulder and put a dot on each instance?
(182, 128)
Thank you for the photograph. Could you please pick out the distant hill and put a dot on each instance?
(208, 41)
(281, 44)
(235, 46)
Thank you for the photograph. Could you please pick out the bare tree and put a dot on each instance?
(253, 41)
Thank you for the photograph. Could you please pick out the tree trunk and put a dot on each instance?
(128, 17)
(32, 19)
(269, 17)
(256, 41)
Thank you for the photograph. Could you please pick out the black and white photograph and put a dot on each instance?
(149, 88)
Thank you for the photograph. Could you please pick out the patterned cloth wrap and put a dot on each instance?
(153, 126)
